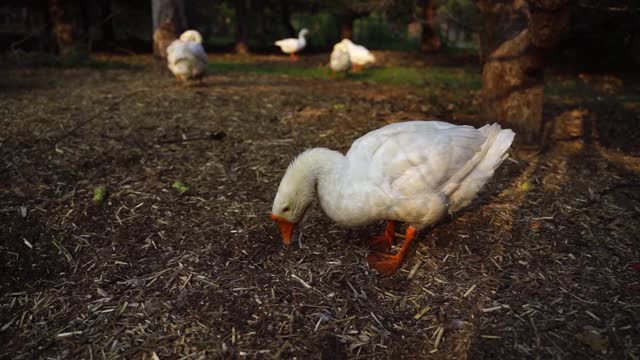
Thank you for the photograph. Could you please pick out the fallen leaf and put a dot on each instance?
(596, 341)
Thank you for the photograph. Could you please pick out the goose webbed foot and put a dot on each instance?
(388, 264)
(382, 243)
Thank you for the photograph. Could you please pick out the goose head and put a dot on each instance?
(303, 33)
(295, 193)
(191, 35)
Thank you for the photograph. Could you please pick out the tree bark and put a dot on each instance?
(60, 26)
(169, 11)
(346, 25)
(513, 73)
(430, 39)
(169, 19)
(242, 27)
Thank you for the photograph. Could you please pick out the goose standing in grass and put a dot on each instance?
(186, 57)
(340, 60)
(358, 54)
(415, 172)
(292, 45)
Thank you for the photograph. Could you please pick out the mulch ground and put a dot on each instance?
(539, 266)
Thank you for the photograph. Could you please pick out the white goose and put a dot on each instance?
(340, 60)
(415, 172)
(292, 45)
(186, 57)
(359, 55)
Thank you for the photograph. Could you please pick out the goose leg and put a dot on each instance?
(383, 242)
(388, 264)
(294, 57)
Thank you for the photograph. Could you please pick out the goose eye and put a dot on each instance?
(285, 209)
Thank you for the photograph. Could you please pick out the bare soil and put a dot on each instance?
(538, 267)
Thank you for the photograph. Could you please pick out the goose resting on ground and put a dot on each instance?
(415, 172)
(186, 57)
(292, 45)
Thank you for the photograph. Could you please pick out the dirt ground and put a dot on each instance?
(539, 266)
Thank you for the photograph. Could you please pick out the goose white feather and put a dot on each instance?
(293, 45)
(415, 172)
(358, 54)
(186, 57)
(340, 60)
(191, 35)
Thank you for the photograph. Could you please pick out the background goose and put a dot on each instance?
(292, 45)
(186, 57)
(358, 54)
(340, 60)
(415, 172)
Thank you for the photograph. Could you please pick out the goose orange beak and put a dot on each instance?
(286, 228)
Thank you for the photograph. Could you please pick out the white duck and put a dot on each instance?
(359, 55)
(186, 57)
(292, 45)
(415, 172)
(340, 60)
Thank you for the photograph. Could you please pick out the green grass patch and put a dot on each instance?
(271, 69)
(453, 78)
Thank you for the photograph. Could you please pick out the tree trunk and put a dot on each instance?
(106, 15)
(169, 19)
(513, 73)
(430, 40)
(285, 17)
(258, 22)
(242, 27)
(346, 25)
(61, 27)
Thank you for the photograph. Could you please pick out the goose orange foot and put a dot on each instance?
(382, 243)
(388, 264)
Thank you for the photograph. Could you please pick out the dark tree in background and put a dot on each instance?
(348, 12)
(242, 27)
(346, 24)
(285, 18)
(61, 26)
(106, 25)
(169, 19)
(430, 39)
(519, 36)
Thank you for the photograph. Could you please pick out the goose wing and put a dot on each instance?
(415, 156)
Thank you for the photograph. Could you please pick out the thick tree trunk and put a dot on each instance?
(60, 26)
(512, 87)
(242, 27)
(169, 19)
(346, 25)
(430, 39)
(169, 11)
(513, 73)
